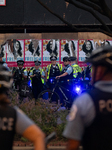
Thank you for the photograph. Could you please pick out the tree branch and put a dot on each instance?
(72, 26)
(92, 5)
(92, 12)
(106, 9)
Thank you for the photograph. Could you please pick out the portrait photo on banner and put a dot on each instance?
(68, 48)
(50, 48)
(33, 49)
(101, 43)
(15, 50)
(85, 49)
(3, 52)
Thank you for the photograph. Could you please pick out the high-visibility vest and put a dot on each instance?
(49, 67)
(41, 70)
(75, 72)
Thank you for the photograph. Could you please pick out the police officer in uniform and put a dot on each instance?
(37, 76)
(66, 74)
(13, 120)
(66, 77)
(76, 67)
(20, 74)
(90, 119)
(67, 71)
(52, 71)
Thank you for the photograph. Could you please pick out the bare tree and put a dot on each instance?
(94, 7)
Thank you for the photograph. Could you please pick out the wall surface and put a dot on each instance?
(30, 12)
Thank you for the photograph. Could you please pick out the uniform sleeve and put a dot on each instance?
(31, 73)
(81, 115)
(69, 70)
(4, 64)
(46, 69)
(25, 73)
(43, 73)
(22, 122)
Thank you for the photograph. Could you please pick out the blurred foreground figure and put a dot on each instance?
(90, 118)
(13, 120)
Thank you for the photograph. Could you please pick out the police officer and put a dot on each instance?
(90, 119)
(3, 63)
(67, 71)
(20, 74)
(37, 76)
(13, 120)
(66, 75)
(76, 67)
(53, 69)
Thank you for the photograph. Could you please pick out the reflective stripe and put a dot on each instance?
(40, 73)
(49, 67)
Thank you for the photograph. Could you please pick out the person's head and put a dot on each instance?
(53, 60)
(1, 58)
(101, 60)
(17, 47)
(6, 81)
(66, 61)
(20, 64)
(37, 64)
(87, 47)
(73, 59)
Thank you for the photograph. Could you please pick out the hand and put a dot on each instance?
(57, 77)
(42, 76)
(34, 75)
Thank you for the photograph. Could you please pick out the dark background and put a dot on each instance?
(18, 15)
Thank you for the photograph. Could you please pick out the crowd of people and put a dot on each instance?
(89, 120)
(41, 79)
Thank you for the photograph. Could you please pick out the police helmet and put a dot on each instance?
(66, 58)
(101, 56)
(20, 62)
(72, 58)
(53, 58)
(37, 63)
(6, 79)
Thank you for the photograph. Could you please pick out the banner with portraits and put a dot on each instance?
(31, 50)
(69, 48)
(15, 50)
(51, 47)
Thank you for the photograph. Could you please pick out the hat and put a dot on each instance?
(53, 58)
(72, 58)
(66, 58)
(37, 63)
(20, 62)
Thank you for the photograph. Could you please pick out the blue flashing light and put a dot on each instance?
(51, 80)
(77, 89)
(87, 79)
(29, 83)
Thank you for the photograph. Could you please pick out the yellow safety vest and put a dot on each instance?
(76, 69)
(41, 70)
(49, 67)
